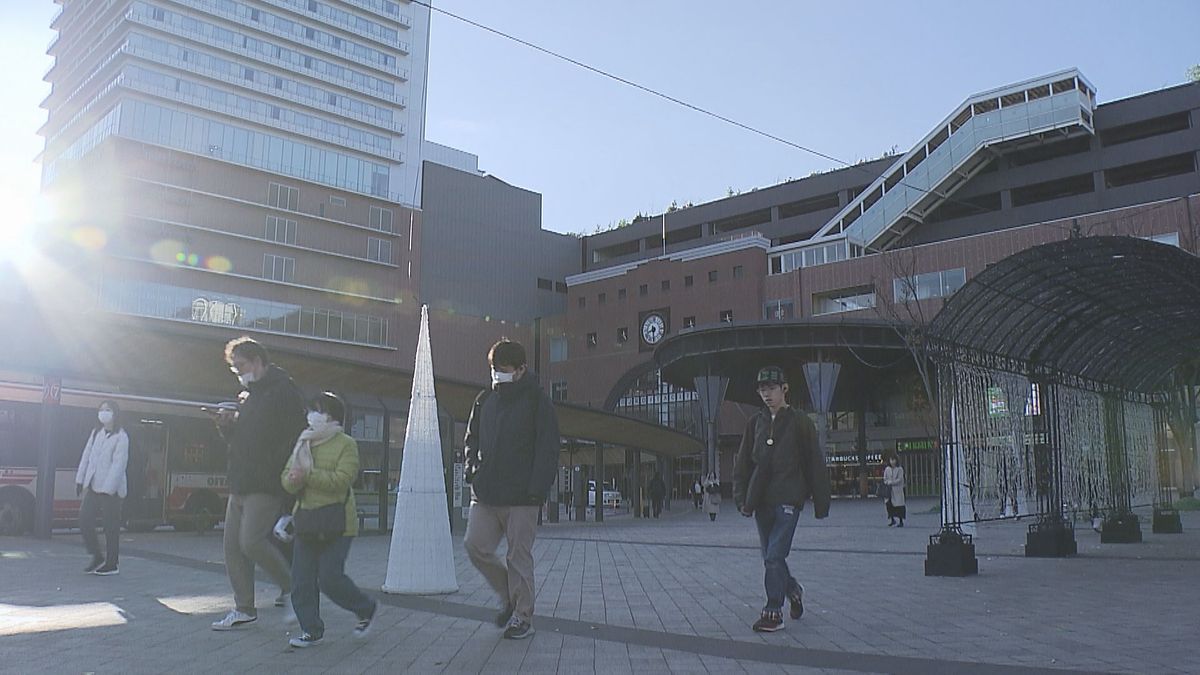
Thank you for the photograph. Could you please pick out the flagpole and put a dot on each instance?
(664, 237)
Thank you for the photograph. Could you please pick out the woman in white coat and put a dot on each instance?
(893, 477)
(101, 481)
(712, 497)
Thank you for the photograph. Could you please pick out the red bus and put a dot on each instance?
(176, 469)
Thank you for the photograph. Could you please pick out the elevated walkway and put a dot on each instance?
(958, 148)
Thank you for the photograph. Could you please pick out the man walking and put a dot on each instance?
(778, 467)
(511, 453)
(658, 490)
(261, 434)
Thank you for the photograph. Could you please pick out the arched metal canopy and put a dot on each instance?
(1116, 311)
(867, 349)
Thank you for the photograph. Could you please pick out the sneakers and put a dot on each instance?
(363, 628)
(796, 602)
(503, 616)
(305, 640)
(234, 619)
(106, 570)
(518, 629)
(97, 561)
(769, 622)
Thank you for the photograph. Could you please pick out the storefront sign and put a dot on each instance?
(458, 484)
(916, 444)
(216, 311)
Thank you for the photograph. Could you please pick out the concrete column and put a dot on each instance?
(599, 478)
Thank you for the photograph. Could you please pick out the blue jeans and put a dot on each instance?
(320, 568)
(775, 530)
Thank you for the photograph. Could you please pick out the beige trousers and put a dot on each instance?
(511, 578)
(249, 520)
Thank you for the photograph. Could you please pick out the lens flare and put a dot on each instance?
(167, 251)
(219, 263)
(89, 237)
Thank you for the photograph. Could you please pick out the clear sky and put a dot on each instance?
(851, 79)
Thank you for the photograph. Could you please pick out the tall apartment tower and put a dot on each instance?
(244, 164)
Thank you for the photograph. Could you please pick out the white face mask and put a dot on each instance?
(246, 379)
(105, 417)
(317, 421)
(502, 378)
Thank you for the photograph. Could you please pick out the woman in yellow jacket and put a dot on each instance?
(318, 562)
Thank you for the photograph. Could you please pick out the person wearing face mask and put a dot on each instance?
(101, 480)
(321, 472)
(778, 467)
(893, 477)
(260, 434)
(511, 453)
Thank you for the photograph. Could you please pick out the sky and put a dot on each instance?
(849, 79)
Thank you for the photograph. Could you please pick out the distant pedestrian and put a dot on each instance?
(261, 433)
(697, 495)
(779, 466)
(102, 482)
(321, 472)
(658, 490)
(712, 496)
(511, 453)
(893, 478)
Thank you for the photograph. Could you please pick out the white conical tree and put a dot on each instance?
(421, 560)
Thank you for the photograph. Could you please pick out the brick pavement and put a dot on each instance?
(648, 596)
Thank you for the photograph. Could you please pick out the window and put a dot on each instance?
(1144, 129)
(1140, 172)
(278, 267)
(558, 349)
(666, 284)
(778, 310)
(845, 300)
(810, 205)
(366, 427)
(622, 334)
(688, 281)
(545, 284)
(558, 390)
(380, 219)
(1170, 239)
(644, 290)
(582, 302)
(712, 276)
(282, 230)
(929, 285)
(592, 340)
(602, 298)
(689, 322)
(727, 316)
(738, 270)
(760, 217)
(560, 287)
(1055, 189)
(283, 197)
(621, 293)
(379, 250)
(337, 201)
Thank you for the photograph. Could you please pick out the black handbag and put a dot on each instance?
(884, 491)
(324, 521)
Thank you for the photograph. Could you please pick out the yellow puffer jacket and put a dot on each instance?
(335, 466)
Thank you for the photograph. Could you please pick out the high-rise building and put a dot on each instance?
(244, 163)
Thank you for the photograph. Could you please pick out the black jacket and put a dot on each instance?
(790, 471)
(269, 422)
(512, 444)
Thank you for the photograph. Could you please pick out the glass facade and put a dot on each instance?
(808, 257)
(259, 110)
(179, 130)
(658, 402)
(847, 300)
(231, 71)
(194, 305)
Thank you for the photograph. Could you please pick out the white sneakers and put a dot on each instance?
(234, 619)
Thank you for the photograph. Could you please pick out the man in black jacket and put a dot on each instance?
(511, 454)
(778, 467)
(261, 435)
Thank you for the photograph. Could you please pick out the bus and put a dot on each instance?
(177, 461)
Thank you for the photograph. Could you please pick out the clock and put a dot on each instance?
(653, 329)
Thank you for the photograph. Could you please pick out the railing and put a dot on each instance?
(377, 34)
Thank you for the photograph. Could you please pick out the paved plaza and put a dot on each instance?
(673, 595)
